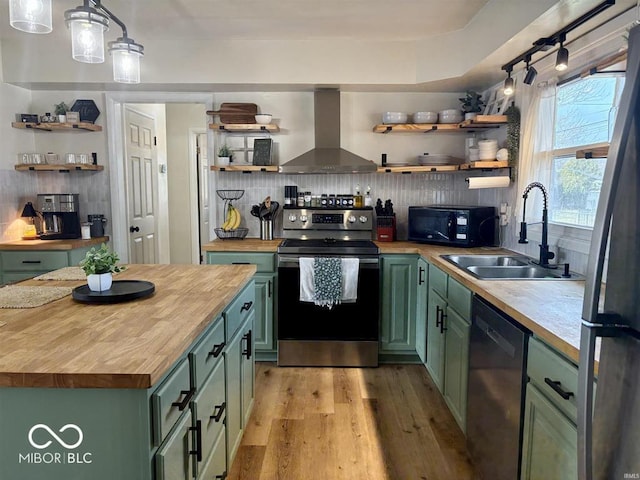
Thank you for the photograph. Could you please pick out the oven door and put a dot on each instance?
(347, 321)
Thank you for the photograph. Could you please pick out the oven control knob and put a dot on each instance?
(303, 218)
(292, 218)
(363, 219)
(352, 219)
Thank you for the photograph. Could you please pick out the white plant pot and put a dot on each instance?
(99, 282)
(470, 116)
(62, 118)
(223, 161)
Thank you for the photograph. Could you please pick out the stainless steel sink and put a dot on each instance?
(506, 267)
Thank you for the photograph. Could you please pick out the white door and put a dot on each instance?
(203, 189)
(140, 172)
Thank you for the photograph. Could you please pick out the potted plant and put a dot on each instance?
(224, 155)
(472, 104)
(61, 109)
(99, 266)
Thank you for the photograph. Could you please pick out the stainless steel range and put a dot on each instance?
(312, 335)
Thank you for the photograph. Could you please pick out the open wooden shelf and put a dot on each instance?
(244, 127)
(65, 127)
(484, 165)
(58, 168)
(481, 165)
(597, 152)
(481, 121)
(245, 168)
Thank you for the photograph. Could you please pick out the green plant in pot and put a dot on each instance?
(472, 104)
(224, 155)
(99, 265)
(61, 109)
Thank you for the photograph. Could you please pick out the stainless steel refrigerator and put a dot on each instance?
(609, 426)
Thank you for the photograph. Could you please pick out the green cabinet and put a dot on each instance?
(448, 330)
(398, 304)
(266, 281)
(174, 460)
(16, 265)
(422, 293)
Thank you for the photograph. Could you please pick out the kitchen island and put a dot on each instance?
(105, 391)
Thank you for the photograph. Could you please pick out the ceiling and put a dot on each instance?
(417, 45)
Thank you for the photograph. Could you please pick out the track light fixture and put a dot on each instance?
(562, 59)
(87, 24)
(508, 84)
(530, 76)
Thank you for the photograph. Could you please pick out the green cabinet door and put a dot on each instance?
(422, 293)
(550, 438)
(456, 359)
(263, 334)
(174, 460)
(435, 338)
(398, 303)
(247, 379)
(233, 366)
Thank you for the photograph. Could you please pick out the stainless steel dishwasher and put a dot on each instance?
(497, 379)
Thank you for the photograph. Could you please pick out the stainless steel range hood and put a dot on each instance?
(327, 156)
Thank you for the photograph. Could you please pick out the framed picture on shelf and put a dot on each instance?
(262, 151)
(73, 117)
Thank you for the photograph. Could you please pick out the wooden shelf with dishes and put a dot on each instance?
(244, 127)
(481, 121)
(245, 168)
(61, 127)
(58, 168)
(479, 165)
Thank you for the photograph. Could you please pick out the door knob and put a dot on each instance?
(134, 229)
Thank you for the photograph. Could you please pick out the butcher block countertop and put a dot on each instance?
(52, 244)
(124, 345)
(551, 309)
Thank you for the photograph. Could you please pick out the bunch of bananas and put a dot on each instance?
(233, 219)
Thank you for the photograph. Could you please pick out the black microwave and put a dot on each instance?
(455, 225)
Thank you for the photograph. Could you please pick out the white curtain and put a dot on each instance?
(536, 149)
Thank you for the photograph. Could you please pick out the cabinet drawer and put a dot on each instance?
(216, 465)
(239, 309)
(438, 280)
(33, 261)
(459, 298)
(174, 460)
(207, 353)
(544, 366)
(210, 408)
(170, 400)
(265, 262)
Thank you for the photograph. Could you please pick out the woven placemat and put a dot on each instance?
(15, 296)
(66, 273)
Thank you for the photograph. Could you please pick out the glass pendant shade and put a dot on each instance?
(508, 86)
(31, 16)
(87, 34)
(126, 55)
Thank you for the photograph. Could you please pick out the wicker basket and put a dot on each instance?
(237, 234)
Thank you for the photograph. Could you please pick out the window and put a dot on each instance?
(585, 115)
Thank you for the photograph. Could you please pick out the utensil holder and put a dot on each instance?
(266, 229)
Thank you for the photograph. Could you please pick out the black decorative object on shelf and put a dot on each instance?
(120, 291)
(262, 151)
(87, 109)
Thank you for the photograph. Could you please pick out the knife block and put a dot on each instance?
(386, 228)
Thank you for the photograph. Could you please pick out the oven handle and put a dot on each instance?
(293, 261)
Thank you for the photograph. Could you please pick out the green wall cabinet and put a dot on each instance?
(422, 293)
(266, 281)
(398, 303)
(16, 265)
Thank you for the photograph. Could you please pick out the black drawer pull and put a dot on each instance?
(420, 272)
(198, 451)
(240, 263)
(188, 395)
(217, 350)
(558, 389)
(269, 289)
(247, 351)
(31, 261)
(220, 411)
(222, 477)
(438, 319)
(246, 306)
(443, 317)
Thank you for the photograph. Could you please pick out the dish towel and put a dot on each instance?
(328, 281)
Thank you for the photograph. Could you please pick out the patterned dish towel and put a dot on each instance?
(328, 281)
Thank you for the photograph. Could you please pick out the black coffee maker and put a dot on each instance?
(60, 216)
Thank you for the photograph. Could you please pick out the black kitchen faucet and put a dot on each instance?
(545, 254)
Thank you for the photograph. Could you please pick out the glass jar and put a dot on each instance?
(307, 199)
(300, 199)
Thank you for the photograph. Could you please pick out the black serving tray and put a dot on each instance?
(120, 291)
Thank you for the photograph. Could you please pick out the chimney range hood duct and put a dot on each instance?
(327, 156)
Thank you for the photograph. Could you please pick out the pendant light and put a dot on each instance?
(125, 55)
(508, 84)
(562, 60)
(31, 16)
(87, 27)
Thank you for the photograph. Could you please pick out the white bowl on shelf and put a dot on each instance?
(263, 118)
(394, 117)
(425, 117)
(450, 116)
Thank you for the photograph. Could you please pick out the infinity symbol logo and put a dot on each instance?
(57, 438)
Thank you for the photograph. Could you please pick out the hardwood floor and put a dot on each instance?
(386, 423)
